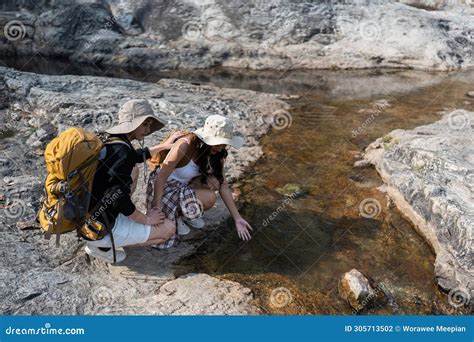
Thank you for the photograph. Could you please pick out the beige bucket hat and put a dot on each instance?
(132, 114)
(219, 130)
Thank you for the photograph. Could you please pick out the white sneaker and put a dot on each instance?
(182, 227)
(108, 256)
(196, 223)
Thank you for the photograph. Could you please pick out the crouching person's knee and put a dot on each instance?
(170, 228)
(212, 200)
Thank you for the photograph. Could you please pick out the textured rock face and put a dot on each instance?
(37, 277)
(272, 34)
(201, 294)
(429, 173)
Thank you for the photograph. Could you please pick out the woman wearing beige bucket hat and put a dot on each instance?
(115, 181)
(186, 180)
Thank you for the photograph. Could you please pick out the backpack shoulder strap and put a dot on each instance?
(117, 140)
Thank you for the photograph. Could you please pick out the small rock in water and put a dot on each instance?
(292, 190)
(470, 93)
(362, 163)
(355, 289)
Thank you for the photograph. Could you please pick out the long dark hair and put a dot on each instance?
(206, 160)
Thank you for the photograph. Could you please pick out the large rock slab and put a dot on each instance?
(37, 277)
(272, 34)
(201, 294)
(429, 172)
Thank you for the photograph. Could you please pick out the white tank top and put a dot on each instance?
(185, 173)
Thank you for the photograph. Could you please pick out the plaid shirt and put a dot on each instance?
(175, 195)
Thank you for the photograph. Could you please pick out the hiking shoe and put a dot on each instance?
(105, 256)
(182, 228)
(195, 223)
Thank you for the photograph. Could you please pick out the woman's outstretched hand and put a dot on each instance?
(243, 229)
(168, 143)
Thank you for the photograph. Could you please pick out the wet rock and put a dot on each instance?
(242, 34)
(292, 190)
(355, 289)
(361, 163)
(470, 94)
(431, 181)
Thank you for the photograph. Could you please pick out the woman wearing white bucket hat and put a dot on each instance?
(186, 180)
(115, 181)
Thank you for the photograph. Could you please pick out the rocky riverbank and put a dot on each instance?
(277, 35)
(39, 278)
(429, 175)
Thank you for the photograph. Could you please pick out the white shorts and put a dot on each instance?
(126, 232)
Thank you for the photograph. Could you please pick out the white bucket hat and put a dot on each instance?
(219, 130)
(132, 114)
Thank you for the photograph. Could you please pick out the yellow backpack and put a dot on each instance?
(71, 161)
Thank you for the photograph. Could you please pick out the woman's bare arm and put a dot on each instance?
(228, 199)
(242, 226)
(167, 144)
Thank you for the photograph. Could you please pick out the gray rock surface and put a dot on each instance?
(273, 34)
(37, 277)
(429, 172)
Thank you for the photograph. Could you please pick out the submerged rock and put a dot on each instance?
(429, 174)
(292, 190)
(274, 34)
(355, 289)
